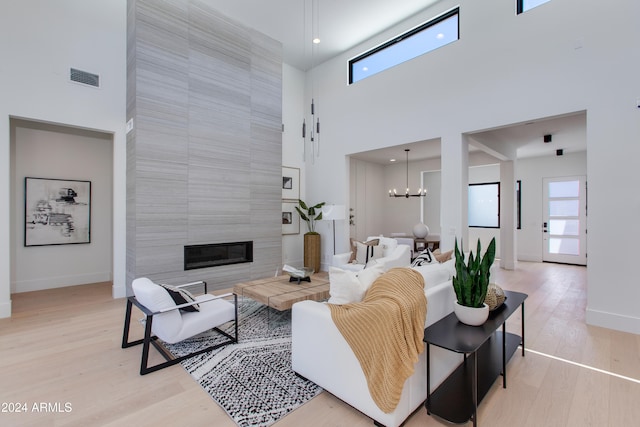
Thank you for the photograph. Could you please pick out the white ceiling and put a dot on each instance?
(567, 132)
(344, 24)
(340, 25)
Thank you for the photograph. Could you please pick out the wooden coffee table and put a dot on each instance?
(280, 294)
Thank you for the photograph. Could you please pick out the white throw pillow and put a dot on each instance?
(388, 244)
(366, 253)
(346, 287)
(370, 274)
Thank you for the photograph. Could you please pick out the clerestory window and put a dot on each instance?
(525, 5)
(429, 36)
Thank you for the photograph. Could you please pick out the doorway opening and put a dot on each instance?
(60, 152)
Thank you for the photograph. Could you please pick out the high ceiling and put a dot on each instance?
(340, 25)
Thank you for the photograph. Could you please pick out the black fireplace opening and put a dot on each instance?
(217, 254)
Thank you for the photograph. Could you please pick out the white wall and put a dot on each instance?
(41, 41)
(431, 204)
(400, 213)
(292, 152)
(44, 151)
(368, 192)
(506, 70)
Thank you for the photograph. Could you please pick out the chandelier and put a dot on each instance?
(421, 192)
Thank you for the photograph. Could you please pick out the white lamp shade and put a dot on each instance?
(333, 212)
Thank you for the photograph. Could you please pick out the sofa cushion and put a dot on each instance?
(347, 287)
(425, 257)
(433, 274)
(442, 257)
(353, 243)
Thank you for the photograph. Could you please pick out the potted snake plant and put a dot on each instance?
(471, 282)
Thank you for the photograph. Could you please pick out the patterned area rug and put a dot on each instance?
(252, 380)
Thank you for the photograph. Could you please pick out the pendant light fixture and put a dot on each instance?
(421, 192)
(314, 128)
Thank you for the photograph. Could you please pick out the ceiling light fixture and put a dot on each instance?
(421, 192)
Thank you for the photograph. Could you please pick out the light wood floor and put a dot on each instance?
(63, 346)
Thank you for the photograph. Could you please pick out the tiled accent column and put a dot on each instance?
(204, 158)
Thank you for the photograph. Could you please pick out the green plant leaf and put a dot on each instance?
(472, 278)
(302, 215)
(308, 214)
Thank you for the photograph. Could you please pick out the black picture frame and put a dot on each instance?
(56, 211)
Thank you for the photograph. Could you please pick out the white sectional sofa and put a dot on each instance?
(321, 354)
(393, 255)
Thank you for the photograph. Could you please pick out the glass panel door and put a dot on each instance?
(564, 223)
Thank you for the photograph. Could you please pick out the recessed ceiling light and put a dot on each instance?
(316, 40)
(392, 160)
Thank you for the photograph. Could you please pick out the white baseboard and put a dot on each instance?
(529, 257)
(613, 321)
(60, 282)
(5, 309)
(119, 291)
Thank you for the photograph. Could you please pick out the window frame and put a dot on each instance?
(497, 183)
(520, 6)
(519, 204)
(399, 38)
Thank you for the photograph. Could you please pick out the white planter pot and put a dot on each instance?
(470, 315)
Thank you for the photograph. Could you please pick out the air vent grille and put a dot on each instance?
(84, 77)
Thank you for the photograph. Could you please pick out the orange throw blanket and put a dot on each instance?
(386, 331)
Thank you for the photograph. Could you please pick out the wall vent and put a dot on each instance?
(84, 77)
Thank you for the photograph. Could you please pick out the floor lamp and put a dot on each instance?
(333, 213)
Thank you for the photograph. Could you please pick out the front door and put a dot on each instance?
(565, 220)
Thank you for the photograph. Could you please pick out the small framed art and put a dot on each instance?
(290, 218)
(290, 183)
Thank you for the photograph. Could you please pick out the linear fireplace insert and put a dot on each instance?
(217, 254)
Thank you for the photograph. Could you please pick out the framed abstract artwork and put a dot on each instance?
(290, 183)
(57, 211)
(290, 218)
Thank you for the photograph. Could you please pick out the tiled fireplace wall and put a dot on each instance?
(204, 156)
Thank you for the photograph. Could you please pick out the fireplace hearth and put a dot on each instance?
(217, 254)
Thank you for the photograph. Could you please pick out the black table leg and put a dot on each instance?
(504, 356)
(522, 329)
(428, 378)
(475, 389)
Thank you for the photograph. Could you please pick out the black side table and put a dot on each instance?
(486, 352)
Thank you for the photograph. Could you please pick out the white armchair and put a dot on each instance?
(393, 255)
(165, 320)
